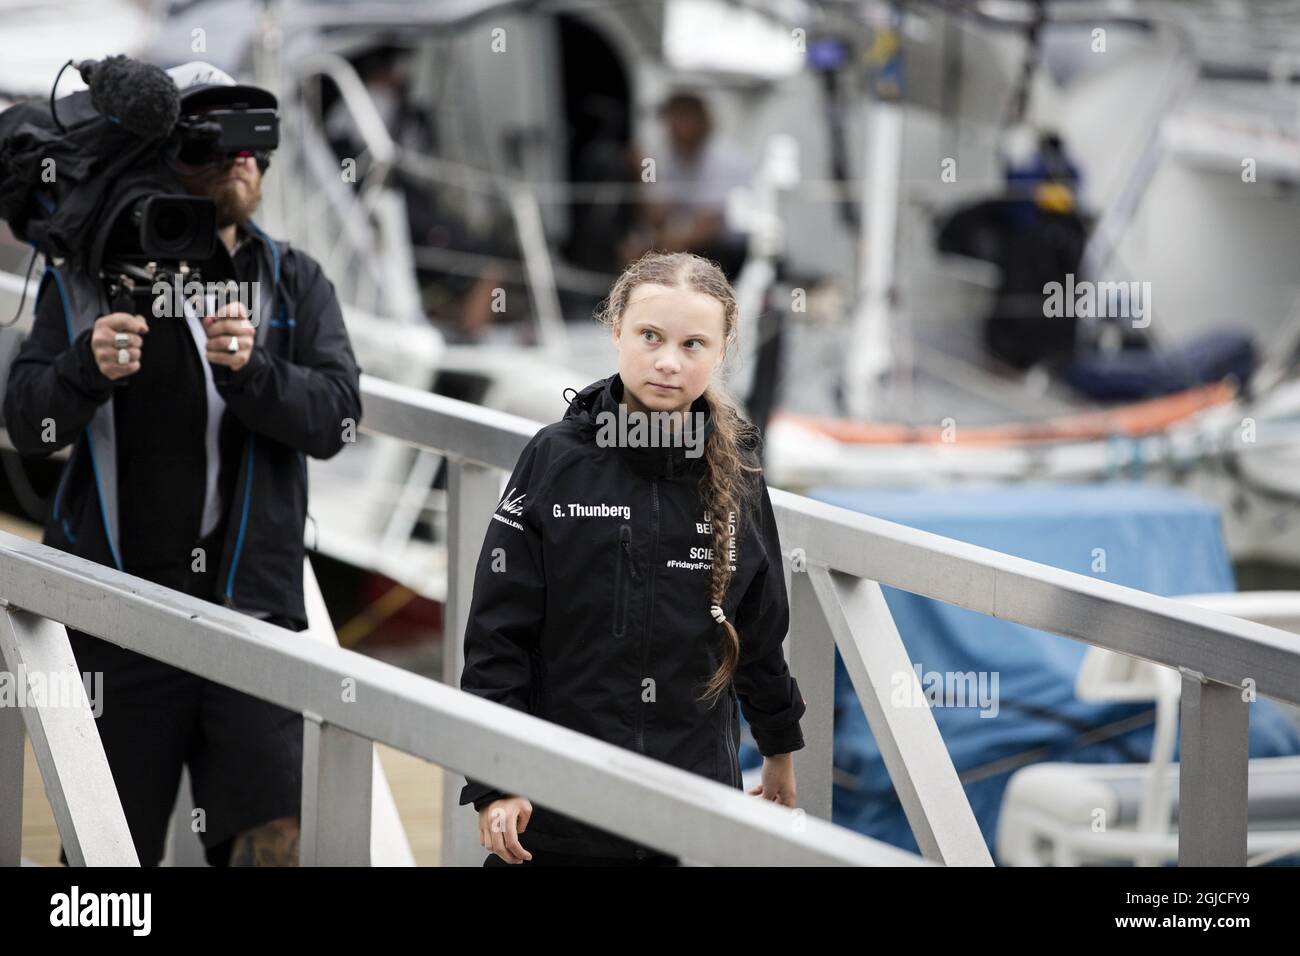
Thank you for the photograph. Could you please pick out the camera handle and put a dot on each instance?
(121, 294)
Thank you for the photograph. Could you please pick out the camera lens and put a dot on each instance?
(176, 227)
(173, 224)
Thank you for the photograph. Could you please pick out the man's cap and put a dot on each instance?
(203, 85)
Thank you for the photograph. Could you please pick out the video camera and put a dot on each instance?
(155, 234)
(219, 134)
(119, 209)
(155, 239)
(159, 236)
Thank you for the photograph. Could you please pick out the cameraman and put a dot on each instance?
(194, 476)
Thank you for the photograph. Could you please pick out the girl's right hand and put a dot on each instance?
(499, 826)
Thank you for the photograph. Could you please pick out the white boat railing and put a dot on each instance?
(835, 561)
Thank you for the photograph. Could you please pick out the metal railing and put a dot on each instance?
(349, 701)
(359, 233)
(835, 561)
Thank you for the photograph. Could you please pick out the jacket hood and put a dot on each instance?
(588, 407)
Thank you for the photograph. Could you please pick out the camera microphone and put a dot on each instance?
(139, 96)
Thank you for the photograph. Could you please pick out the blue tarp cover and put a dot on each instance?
(1149, 537)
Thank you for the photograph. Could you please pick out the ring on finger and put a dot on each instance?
(234, 345)
(121, 340)
(123, 357)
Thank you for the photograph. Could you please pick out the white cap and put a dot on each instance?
(198, 77)
(199, 73)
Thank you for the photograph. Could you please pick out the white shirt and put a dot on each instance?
(216, 410)
(689, 187)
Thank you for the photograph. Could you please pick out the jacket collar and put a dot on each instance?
(671, 461)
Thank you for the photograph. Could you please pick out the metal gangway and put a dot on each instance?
(835, 561)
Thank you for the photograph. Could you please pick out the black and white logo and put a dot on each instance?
(510, 504)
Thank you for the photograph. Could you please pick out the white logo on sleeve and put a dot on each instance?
(510, 505)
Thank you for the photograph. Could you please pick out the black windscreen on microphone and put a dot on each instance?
(140, 96)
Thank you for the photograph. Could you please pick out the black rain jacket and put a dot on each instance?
(290, 400)
(589, 609)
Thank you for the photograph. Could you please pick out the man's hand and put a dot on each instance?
(499, 826)
(230, 336)
(109, 349)
(777, 783)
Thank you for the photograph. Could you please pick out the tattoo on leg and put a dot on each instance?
(271, 844)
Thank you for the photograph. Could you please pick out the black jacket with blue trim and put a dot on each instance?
(594, 601)
(293, 398)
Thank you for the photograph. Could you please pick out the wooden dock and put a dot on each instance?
(416, 785)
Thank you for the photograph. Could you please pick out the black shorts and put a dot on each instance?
(244, 754)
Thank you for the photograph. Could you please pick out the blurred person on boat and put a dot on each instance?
(685, 205)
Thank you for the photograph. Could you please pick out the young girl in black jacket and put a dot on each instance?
(598, 604)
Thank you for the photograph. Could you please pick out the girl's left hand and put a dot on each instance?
(777, 784)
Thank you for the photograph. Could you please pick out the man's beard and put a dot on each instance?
(236, 206)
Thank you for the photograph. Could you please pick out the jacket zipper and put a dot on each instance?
(649, 617)
(620, 585)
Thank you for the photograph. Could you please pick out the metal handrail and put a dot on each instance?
(356, 700)
(387, 155)
(374, 201)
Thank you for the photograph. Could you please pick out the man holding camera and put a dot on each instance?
(190, 435)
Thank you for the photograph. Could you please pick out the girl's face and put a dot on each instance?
(670, 342)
